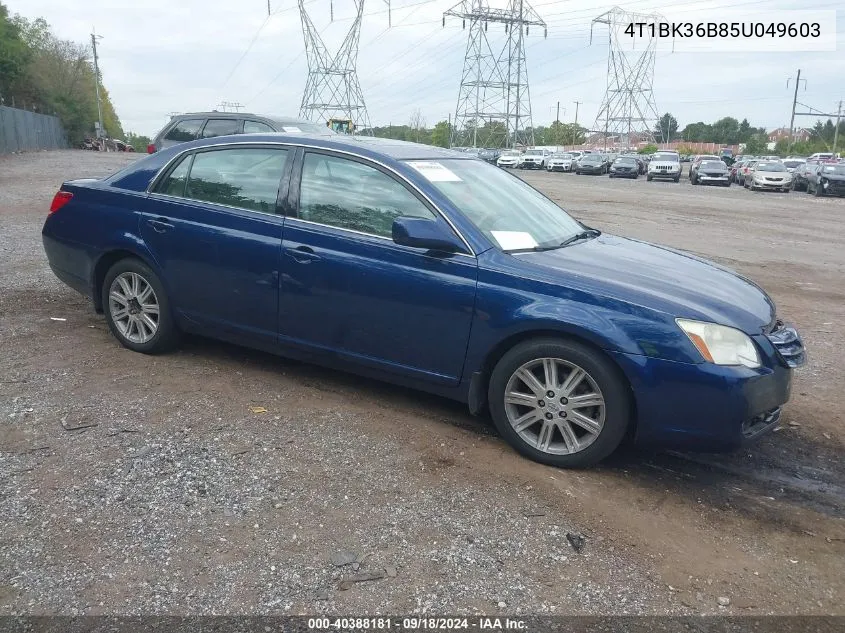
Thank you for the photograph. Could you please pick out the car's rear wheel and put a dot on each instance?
(137, 309)
(818, 191)
(559, 402)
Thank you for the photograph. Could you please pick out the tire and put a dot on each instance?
(818, 191)
(165, 335)
(677, 179)
(648, 178)
(610, 420)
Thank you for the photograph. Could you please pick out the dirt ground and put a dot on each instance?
(133, 485)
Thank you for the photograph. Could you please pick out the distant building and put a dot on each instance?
(782, 133)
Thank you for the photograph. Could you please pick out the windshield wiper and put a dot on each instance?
(583, 235)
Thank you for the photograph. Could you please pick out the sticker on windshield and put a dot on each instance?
(291, 128)
(514, 240)
(435, 172)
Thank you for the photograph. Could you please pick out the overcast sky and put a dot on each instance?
(163, 56)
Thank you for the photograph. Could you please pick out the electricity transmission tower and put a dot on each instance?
(628, 112)
(332, 89)
(494, 104)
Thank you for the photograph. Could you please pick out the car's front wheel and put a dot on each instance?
(137, 309)
(559, 402)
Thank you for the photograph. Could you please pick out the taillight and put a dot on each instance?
(151, 149)
(59, 200)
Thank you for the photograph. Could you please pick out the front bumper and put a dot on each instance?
(718, 180)
(563, 167)
(703, 406)
(834, 188)
(633, 173)
(763, 184)
(591, 170)
(665, 174)
(531, 165)
(711, 407)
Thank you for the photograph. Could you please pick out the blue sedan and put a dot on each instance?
(435, 270)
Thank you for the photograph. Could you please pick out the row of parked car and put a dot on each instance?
(819, 175)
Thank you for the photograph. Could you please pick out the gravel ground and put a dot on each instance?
(137, 485)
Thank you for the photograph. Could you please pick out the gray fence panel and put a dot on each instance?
(21, 130)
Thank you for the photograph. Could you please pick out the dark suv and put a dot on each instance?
(189, 127)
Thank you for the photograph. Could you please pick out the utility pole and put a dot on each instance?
(836, 129)
(101, 131)
(577, 103)
(794, 103)
(557, 116)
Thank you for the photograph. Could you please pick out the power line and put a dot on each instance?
(494, 97)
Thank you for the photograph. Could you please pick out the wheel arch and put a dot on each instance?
(480, 380)
(108, 259)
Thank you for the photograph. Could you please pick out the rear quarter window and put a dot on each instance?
(184, 131)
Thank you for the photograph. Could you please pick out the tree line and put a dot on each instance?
(730, 131)
(43, 73)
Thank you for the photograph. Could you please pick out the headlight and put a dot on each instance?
(720, 344)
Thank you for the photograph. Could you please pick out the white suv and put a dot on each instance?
(664, 165)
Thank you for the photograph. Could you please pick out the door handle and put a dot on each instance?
(302, 254)
(159, 225)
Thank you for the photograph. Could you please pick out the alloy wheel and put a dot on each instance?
(134, 307)
(555, 406)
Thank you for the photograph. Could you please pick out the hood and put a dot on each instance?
(660, 278)
(836, 177)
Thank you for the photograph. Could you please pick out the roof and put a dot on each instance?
(240, 115)
(364, 145)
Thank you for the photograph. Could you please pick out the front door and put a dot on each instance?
(213, 227)
(348, 289)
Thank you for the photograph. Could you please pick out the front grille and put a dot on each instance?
(761, 423)
(788, 344)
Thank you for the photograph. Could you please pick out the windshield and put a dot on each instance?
(770, 167)
(534, 152)
(839, 170)
(562, 156)
(703, 158)
(712, 164)
(510, 154)
(511, 213)
(592, 158)
(793, 163)
(626, 160)
(665, 157)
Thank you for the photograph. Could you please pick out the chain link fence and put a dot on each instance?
(21, 130)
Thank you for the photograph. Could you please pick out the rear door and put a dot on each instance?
(348, 289)
(213, 226)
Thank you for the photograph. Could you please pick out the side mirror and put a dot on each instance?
(424, 233)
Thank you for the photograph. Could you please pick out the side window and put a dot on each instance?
(247, 178)
(220, 127)
(184, 131)
(174, 184)
(256, 127)
(350, 195)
